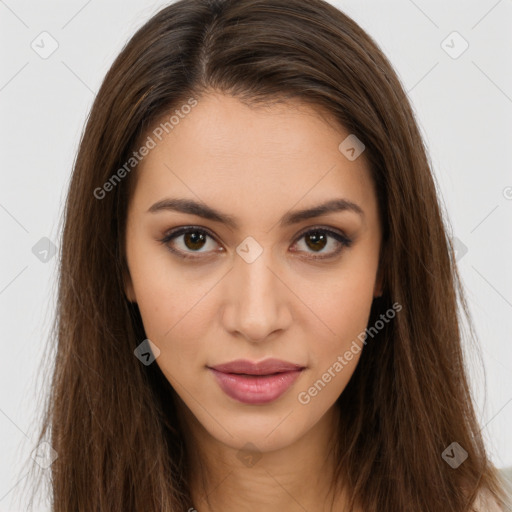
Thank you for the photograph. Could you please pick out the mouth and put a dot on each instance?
(255, 389)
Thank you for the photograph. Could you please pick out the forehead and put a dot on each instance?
(225, 152)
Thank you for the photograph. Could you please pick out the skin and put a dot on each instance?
(255, 164)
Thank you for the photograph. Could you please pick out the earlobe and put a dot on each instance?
(379, 282)
(128, 287)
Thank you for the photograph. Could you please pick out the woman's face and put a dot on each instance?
(267, 283)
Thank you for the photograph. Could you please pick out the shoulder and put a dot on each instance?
(485, 502)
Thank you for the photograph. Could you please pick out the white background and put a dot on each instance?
(463, 106)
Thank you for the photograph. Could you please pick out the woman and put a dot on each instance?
(258, 297)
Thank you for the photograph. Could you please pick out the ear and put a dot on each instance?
(128, 287)
(378, 289)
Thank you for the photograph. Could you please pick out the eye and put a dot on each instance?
(195, 239)
(318, 238)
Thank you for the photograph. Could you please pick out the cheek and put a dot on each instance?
(343, 305)
(172, 319)
(164, 291)
(176, 311)
(335, 354)
(334, 357)
(171, 322)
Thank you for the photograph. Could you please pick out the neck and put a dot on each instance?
(295, 477)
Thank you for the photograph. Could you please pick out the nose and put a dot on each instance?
(257, 300)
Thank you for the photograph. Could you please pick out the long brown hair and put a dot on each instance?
(116, 433)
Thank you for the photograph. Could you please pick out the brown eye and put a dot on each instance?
(317, 239)
(193, 241)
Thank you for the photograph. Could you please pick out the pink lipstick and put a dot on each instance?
(256, 383)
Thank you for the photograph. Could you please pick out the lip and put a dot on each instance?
(265, 367)
(256, 382)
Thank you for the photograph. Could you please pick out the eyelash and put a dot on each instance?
(343, 240)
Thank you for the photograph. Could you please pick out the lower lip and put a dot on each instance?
(255, 389)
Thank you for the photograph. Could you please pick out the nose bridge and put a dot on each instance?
(257, 306)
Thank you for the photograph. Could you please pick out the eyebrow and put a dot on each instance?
(193, 207)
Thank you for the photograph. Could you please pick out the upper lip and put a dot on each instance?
(266, 367)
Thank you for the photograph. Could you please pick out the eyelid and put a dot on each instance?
(322, 227)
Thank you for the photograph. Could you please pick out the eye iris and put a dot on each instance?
(194, 237)
(318, 239)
